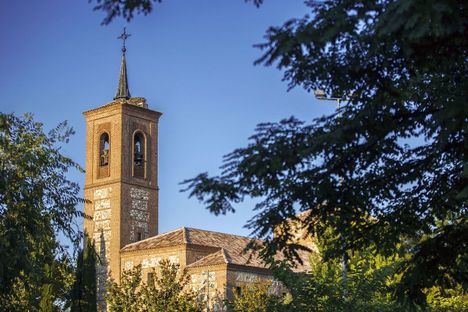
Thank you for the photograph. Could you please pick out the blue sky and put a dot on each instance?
(192, 60)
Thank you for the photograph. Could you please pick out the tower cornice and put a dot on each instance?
(126, 106)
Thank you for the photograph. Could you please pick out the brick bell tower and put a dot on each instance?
(121, 182)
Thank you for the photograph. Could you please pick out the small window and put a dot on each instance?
(150, 278)
(139, 158)
(138, 150)
(104, 150)
(139, 236)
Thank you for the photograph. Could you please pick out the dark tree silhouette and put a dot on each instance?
(128, 8)
(83, 292)
(392, 164)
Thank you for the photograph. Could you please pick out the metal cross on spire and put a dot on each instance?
(124, 37)
(122, 90)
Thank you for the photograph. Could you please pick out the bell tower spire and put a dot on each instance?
(122, 90)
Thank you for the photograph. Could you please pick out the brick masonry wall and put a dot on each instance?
(120, 205)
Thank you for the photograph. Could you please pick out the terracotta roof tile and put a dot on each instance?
(233, 245)
(172, 238)
(218, 257)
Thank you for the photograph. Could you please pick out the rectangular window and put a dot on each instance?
(150, 278)
(139, 155)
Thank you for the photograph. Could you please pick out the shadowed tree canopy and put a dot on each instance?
(392, 164)
(83, 291)
(128, 8)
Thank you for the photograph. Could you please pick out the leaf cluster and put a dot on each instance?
(370, 285)
(167, 291)
(37, 203)
(256, 297)
(128, 8)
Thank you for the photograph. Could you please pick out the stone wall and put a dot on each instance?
(149, 259)
(139, 214)
(238, 278)
(102, 236)
(210, 284)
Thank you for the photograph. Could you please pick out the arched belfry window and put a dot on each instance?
(139, 155)
(104, 150)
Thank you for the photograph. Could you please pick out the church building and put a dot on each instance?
(121, 189)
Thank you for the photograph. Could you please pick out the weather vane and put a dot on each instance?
(124, 37)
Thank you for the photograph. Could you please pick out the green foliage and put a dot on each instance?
(166, 292)
(441, 300)
(126, 296)
(371, 281)
(256, 297)
(83, 292)
(392, 163)
(37, 203)
(169, 291)
(368, 286)
(47, 296)
(44, 291)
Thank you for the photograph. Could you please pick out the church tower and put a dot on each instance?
(121, 182)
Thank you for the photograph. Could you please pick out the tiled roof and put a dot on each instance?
(218, 257)
(172, 238)
(231, 247)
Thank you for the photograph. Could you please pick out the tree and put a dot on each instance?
(256, 297)
(371, 282)
(167, 291)
(37, 203)
(127, 8)
(126, 296)
(392, 163)
(83, 292)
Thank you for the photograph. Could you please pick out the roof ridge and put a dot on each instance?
(152, 237)
(217, 232)
(193, 264)
(226, 256)
(186, 237)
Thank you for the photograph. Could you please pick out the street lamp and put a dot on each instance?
(322, 96)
